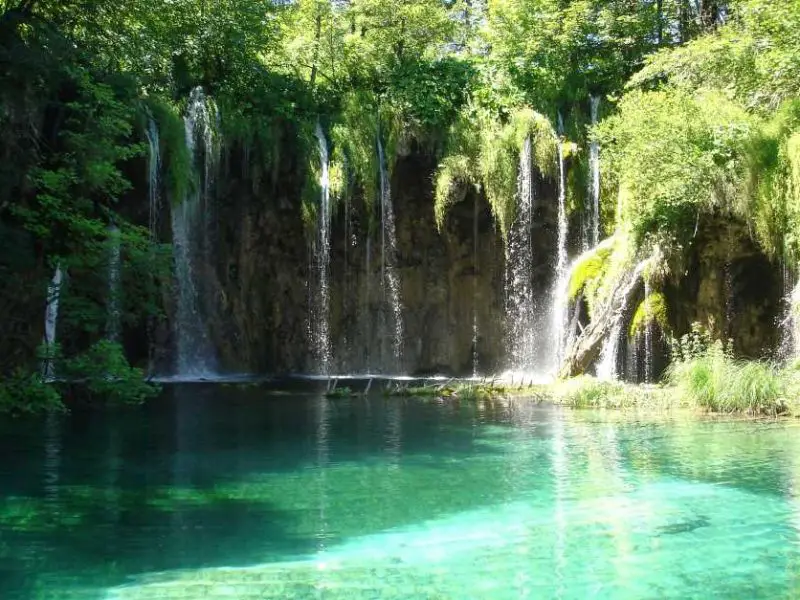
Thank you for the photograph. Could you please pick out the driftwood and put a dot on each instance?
(584, 350)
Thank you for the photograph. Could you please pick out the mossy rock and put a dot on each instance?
(590, 267)
(651, 310)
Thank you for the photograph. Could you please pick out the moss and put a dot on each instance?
(589, 268)
(177, 163)
(484, 150)
(526, 123)
(651, 310)
(453, 176)
(354, 141)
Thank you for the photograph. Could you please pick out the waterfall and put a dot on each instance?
(520, 308)
(561, 289)
(320, 306)
(790, 321)
(475, 287)
(648, 334)
(594, 179)
(114, 283)
(195, 354)
(153, 175)
(632, 366)
(389, 278)
(50, 322)
(607, 367)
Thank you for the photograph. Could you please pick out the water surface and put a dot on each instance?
(239, 492)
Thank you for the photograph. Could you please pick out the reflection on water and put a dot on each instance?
(238, 492)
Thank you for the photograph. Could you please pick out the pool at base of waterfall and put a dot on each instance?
(245, 492)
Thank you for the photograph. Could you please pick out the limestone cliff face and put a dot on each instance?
(731, 288)
(256, 298)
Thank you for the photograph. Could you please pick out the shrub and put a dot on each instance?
(106, 374)
(715, 381)
(26, 392)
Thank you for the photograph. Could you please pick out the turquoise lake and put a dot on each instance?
(236, 492)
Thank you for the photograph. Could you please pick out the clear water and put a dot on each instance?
(236, 492)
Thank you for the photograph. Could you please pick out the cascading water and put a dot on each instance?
(648, 334)
(320, 302)
(560, 315)
(114, 283)
(594, 179)
(153, 175)
(51, 321)
(520, 307)
(790, 320)
(389, 278)
(607, 367)
(195, 354)
(475, 364)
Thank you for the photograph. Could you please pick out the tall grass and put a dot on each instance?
(589, 392)
(719, 383)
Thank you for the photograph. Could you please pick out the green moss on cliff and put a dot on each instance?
(651, 311)
(588, 268)
(175, 157)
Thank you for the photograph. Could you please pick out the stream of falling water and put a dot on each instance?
(153, 175)
(560, 315)
(475, 362)
(648, 334)
(607, 367)
(320, 309)
(594, 179)
(520, 307)
(114, 283)
(195, 354)
(51, 321)
(789, 325)
(389, 278)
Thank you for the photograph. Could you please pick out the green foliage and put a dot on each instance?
(24, 392)
(104, 372)
(587, 392)
(694, 344)
(652, 310)
(674, 154)
(718, 383)
(589, 268)
(177, 166)
(453, 177)
(753, 58)
(484, 150)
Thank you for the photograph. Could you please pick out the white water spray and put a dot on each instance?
(153, 175)
(320, 309)
(648, 334)
(195, 354)
(594, 179)
(520, 307)
(51, 321)
(607, 367)
(560, 315)
(389, 278)
(475, 363)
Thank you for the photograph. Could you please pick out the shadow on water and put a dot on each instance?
(190, 480)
